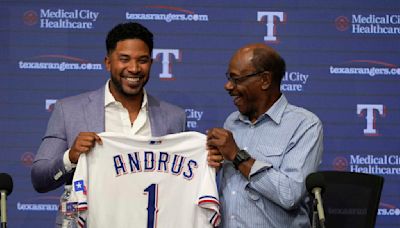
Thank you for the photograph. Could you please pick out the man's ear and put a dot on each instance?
(107, 62)
(266, 80)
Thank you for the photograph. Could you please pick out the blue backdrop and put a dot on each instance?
(341, 55)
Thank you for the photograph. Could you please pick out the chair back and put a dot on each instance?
(350, 200)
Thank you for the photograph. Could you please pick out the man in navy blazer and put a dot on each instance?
(121, 105)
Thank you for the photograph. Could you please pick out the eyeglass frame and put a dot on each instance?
(241, 78)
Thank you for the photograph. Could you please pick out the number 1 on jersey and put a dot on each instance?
(152, 209)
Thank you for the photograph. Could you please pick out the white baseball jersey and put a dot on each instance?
(141, 182)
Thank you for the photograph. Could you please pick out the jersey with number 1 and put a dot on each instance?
(140, 182)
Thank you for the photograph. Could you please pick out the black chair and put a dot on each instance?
(350, 200)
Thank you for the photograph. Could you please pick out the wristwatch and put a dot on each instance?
(241, 156)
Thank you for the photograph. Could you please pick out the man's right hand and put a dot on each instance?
(83, 143)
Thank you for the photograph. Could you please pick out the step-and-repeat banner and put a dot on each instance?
(342, 64)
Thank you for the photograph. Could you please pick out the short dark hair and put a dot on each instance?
(265, 59)
(130, 30)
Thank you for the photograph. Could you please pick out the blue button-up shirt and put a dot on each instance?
(286, 143)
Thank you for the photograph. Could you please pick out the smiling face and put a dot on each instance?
(129, 65)
(249, 94)
(257, 70)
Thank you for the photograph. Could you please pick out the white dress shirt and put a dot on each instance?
(117, 120)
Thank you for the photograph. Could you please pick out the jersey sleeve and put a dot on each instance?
(79, 189)
(208, 196)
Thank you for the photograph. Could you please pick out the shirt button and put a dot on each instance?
(232, 217)
(233, 192)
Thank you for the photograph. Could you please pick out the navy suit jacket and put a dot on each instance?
(86, 113)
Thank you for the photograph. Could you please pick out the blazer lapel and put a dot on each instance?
(94, 111)
(157, 118)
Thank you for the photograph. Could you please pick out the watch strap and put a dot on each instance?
(241, 156)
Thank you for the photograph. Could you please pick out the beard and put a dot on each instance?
(117, 83)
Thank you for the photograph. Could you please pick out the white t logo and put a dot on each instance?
(49, 104)
(271, 31)
(370, 116)
(165, 61)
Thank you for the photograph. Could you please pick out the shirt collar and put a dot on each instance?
(277, 109)
(275, 112)
(109, 98)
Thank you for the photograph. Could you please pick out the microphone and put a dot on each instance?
(315, 184)
(6, 187)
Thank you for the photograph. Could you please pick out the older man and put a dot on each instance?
(269, 146)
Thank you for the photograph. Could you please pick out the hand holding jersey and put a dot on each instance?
(83, 143)
(223, 147)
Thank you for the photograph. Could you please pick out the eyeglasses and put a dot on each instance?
(236, 80)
